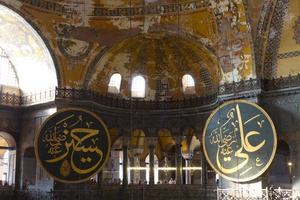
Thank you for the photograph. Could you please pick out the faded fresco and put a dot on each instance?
(83, 34)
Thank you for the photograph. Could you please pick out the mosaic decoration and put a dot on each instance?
(74, 49)
(239, 141)
(297, 31)
(72, 145)
(71, 48)
(270, 62)
(98, 11)
(289, 54)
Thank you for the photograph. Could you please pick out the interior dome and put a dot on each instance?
(162, 60)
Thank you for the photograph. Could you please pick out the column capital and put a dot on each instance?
(177, 139)
(151, 141)
(176, 130)
(126, 141)
(187, 156)
(151, 131)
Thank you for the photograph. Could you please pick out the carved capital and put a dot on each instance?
(126, 141)
(151, 141)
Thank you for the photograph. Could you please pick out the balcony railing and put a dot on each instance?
(10, 99)
(38, 97)
(80, 94)
(28, 99)
(160, 192)
(282, 83)
(114, 101)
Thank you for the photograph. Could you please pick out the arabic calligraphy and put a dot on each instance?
(73, 145)
(239, 141)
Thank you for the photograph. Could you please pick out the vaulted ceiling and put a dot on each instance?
(248, 38)
(27, 52)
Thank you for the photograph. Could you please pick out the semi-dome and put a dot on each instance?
(170, 65)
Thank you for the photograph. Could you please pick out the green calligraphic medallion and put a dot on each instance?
(239, 141)
(72, 145)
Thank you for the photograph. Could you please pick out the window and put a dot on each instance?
(8, 75)
(188, 84)
(29, 55)
(205, 78)
(114, 84)
(138, 87)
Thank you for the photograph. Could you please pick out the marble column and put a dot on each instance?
(203, 171)
(151, 165)
(188, 175)
(178, 160)
(125, 161)
(295, 165)
(188, 161)
(19, 168)
(100, 178)
(151, 141)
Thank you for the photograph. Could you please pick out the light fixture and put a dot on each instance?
(290, 164)
(137, 168)
(192, 168)
(167, 168)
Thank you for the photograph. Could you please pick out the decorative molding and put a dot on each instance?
(281, 83)
(289, 55)
(81, 94)
(100, 11)
(274, 38)
(297, 31)
(10, 99)
(261, 34)
(238, 87)
(242, 89)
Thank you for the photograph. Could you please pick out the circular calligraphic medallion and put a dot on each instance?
(72, 145)
(239, 141)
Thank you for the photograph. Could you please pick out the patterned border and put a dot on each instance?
(261, 33)
(289, 55)
(270, 61)
(98, 11)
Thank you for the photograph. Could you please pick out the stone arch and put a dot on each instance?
(36, 55)
(165, 151)
(165, 143)
(7, 159)
(112, 171)
(191, 159)
(270, 27)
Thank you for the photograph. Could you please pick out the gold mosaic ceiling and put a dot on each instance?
(219, 25)
(159, 57)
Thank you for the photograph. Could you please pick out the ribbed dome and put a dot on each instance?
(162, 59)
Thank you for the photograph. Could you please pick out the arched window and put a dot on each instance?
(8, 75)
(114, 84)
(7, 159)
(27, 66)
(188, 84)
(138, 87)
